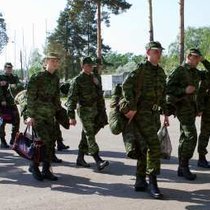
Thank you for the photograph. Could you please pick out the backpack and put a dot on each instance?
(117, 120)
(119, 106)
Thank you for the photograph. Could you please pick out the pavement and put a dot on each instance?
(111, 189)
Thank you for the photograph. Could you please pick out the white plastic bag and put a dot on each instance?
(165, 142)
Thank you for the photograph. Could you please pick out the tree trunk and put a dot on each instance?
(99, 41)
(181, 36)
(151, 33)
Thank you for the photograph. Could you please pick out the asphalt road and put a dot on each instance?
(111, 189)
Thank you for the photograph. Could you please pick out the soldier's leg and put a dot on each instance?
(45, 130)
(15, 123)
(187, 144)
(88, 121)
(2, 136)
(148, 128)
(141, 184)
(203, 141)
(83, 149)
(59, 138)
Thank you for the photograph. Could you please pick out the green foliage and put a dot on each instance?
(3, 35)
(35, 62)
(76, 32)
(194, 37)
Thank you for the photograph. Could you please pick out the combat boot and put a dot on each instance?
(184, 171)
(46, 173)
(4, 143)
(153, 187)
(34, 169)
(81, 161)
(202, 162)
(100, 164)
(56, 160)
(61, 145)
(141, 184)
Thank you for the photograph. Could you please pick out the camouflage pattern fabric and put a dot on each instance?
(147, 118)
(186, 108)
(43, 100)
(204, 99)
(86, 90)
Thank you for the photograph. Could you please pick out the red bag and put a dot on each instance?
(28, 145)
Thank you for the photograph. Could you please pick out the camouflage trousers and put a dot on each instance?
(188, 134)
(203, 139)
(148, 123)
(15, 124)
(88, 143)
(45, 129)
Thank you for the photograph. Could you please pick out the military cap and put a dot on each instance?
(154, 45)
(87, 60)
(52, 55)
(8, 64)
(194, 51)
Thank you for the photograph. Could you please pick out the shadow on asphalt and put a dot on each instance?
(11, 173)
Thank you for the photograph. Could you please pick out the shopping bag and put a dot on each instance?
(165, 142)
(28, 145)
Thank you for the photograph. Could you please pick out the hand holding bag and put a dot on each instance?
(28, 145)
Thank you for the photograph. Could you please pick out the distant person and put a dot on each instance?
(85, 90)
(43, 101)
(10, 85)
(204, 99)
(183, 87)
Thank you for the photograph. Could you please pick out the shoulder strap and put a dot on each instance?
(139, 81)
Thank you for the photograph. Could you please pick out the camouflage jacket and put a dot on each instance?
(12, 87)
(43, 95)
(85, 91)
(152, 88)
(183, 76)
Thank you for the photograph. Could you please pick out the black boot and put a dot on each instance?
(81, 161)
(101, 164)
(140, 184)
(61, 145)
(34, 169)
(202, 162)
(183, 170)
(46, 173)
(153, 187)
(56, 160)
(4, 143)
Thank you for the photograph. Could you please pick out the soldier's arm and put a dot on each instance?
(174, 83)
(206, 64)
(31, 96)
(72, 99)
(128, 90)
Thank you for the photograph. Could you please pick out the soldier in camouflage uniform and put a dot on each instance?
(43, 101)
(183, 86)
(84, 90)
(9, 83)
(144, 112)
(21, 100)
(204, 99)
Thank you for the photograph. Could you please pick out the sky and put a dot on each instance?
(28, 22)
